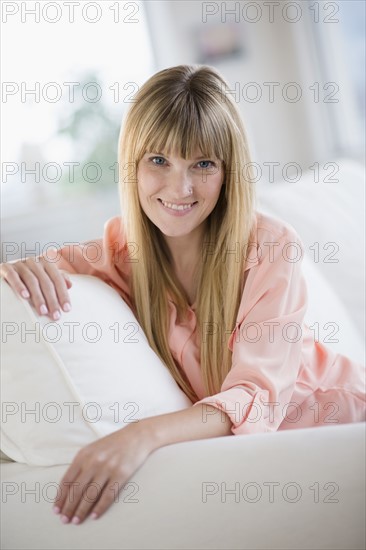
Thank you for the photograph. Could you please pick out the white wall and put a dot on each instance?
(277, 51)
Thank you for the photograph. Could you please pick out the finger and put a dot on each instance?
(108, 497)
(68, 281)
(32, 283)
(79, 497)
(42, 288)
(12, 278)
(60, 286)
(70, 475)
(91, 495)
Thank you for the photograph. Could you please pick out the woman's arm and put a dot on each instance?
(200, 422)
(96, 257)
(109, 462)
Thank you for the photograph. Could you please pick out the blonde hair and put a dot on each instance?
(182, 109)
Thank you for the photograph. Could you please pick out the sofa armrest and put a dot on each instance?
(290, 490)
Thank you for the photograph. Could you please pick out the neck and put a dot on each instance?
(186, 251)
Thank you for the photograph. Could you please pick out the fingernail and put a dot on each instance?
(56, 509)
(56, 315)
(25, 294)
(66, 306)
(64, 519)
(75, 520)
(43, 310)
(94, 515)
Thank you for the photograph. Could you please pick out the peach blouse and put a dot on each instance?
(276, 363)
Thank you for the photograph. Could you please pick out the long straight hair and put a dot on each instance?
(182, 109)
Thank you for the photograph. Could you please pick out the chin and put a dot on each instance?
(173, 233)
(170, 231)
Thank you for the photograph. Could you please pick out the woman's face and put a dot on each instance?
(165, 182)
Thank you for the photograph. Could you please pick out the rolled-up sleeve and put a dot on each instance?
(266, 344)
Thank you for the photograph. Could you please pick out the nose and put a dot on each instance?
(180, 186)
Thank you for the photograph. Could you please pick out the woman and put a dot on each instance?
(216, 286)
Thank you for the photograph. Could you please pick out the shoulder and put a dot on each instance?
(272, 238)
(113, 226)
(114, 234)
(270, 227)
(115, 244)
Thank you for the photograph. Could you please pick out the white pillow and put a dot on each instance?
(5, 458)
(106, 369)
(331, 324)
(328, 208)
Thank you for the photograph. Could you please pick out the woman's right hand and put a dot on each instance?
(42, 282)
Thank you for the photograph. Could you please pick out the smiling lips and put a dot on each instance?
(181, 206)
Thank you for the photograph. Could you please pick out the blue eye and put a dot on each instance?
(206, 162)
(158, 158)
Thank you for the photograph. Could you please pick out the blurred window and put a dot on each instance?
(66, 86)
(352, 19)
(339, 29)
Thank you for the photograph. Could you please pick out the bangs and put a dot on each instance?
(184, 127)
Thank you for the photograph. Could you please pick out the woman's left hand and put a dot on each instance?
(99, 471)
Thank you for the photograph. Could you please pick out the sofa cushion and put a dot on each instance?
(67, 383)
(328, 317)
(327, 210)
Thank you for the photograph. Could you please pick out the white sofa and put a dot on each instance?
(179, 499)
(298, 489)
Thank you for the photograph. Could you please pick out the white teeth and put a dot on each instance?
(176, 207)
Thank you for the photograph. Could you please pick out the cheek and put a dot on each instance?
(147, 183)
(213, 187)
(142, 186)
